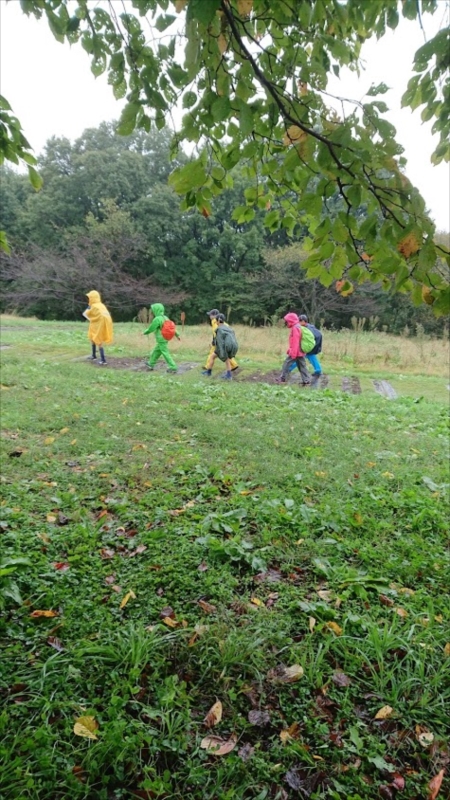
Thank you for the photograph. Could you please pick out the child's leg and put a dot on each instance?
(234, 364)
(302, 368)
(167, 356)
(210, 359)
(315, 363)
(154, 355)
(94, 351)
(286, 368)
(102, 354)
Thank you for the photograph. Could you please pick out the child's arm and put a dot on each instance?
(154, 325)
(294, 342)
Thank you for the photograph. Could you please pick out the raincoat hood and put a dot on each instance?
(291, 319)
(93, 297)
(157, 309)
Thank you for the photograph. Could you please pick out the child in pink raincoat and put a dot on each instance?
(295, 353)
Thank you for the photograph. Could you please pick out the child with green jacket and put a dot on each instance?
(162, 345)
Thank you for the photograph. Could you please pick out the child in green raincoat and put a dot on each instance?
(162, 345)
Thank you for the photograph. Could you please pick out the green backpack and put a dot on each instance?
(308, 341)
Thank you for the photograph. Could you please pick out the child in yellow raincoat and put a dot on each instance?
(207, 369)
(100, 325)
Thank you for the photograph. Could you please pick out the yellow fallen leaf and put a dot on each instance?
(320, 474)
(293, 673)
(312, 622)
(317, 758)
(358, 518)
(425, 738)
(51, 518)
(49, 440)
(256, 601)
(218, 746)
(171, 623)
(405, 590)
(48, 613)
(290, 733)
(85, 726)
(74, 441)
(325, 594)
(64, 430)
(4, 388)
(129, 596)
(447, 650)
(401, 612)
(333, 626)
(388, 475)
(371, 463)
(299, 541)
(384, 712)
(214, 715)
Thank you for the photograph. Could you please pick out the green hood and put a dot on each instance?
(157, 309)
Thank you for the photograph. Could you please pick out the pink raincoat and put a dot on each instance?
(295, 336)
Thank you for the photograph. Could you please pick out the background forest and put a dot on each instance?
(107, 218)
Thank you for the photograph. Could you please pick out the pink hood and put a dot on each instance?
(291, 319)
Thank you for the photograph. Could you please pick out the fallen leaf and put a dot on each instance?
(79, 774)
(43, 536)
(214, 715)
(61, 566)
(406, 590)
(167, 611)
(129, 595)
(259, 718)
(49, 440)
(202, 567)
(74, 441)
(290, 733)
(398, 781)
(207, 607)
(312, 622)
(110, 579)
(171, 623)
(384, 712)
(107, 552)
(386, 601)
(256, 601)
(51, 518)
(218, 746)
(447, 650)
(435, 785)
(401, 612)
(53, 641)
(340, 679)
(62, 519)
(64, 430)
(325, 594)
(282, 674)
(116, 588)
(36, 614)
(141, 548)
(333, 626)
(85, 726)
(425, 738)
(246, 752)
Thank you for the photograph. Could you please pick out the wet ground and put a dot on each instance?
(349, 385)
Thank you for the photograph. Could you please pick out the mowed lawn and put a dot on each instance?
(280, 552)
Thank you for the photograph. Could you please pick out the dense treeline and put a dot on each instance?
(107, 218)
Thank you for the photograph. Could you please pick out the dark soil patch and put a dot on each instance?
(385, 389)
(351, 385)
(140, 365)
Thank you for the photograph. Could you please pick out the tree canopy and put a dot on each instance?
(251, 76)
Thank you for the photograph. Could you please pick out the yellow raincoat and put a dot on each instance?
(100, 323)
(209, 360)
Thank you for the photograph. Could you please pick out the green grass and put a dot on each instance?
(331, 493)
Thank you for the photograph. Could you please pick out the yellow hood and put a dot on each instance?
(93, 297)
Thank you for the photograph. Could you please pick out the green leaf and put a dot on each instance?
(191, 176)
(35, 179)
(127, 121)
(380, 89)
(202, 10)
(164, 21)
(4, 243)
(189, 99)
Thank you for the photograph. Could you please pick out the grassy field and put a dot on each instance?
(282, 551)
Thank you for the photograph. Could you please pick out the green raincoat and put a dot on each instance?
(162, 345)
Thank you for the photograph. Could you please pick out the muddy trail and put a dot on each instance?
(348, 384)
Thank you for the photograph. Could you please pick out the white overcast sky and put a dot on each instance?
(53, 92)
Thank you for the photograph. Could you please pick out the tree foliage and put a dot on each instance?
(252, 77)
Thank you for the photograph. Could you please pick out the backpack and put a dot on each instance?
(318, 337)
(168, 329)
(308, 340)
